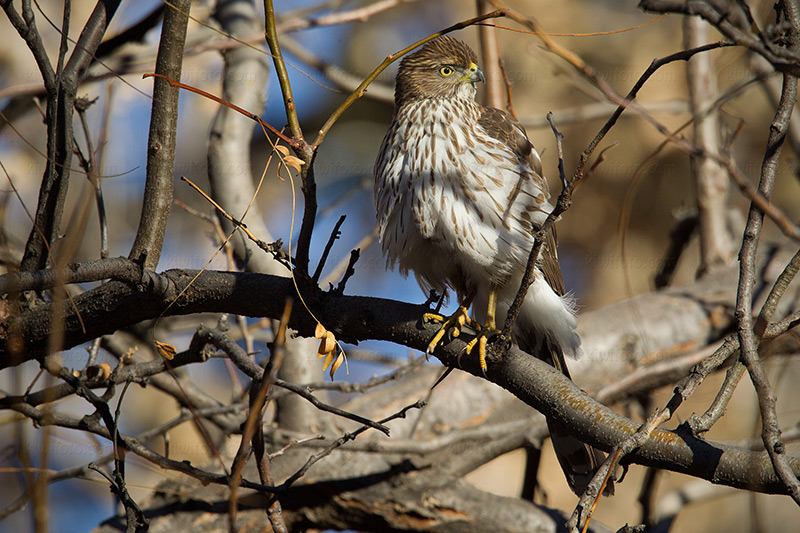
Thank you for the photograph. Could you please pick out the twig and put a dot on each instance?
(346, 267)
(246, 365)
(490, 53)
(701, 424)
(220, 101)
(509, 100)
(710, 182)
(273, 248)
(283, 79)
(771, 434)
(783, 59)
(252, 434)
(358, 14)
(344, 439)
(335, 234)
(679, 238)
(349, 271)
(588, 500)
(135, 518)
(294, 443)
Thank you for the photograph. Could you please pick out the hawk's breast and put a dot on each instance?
(454, 204)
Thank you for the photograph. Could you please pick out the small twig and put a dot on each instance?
(252, 434)
(81, 105)
(490, 53)
(335, 234)
(349, 271)
(344, 439)
(273, 248)
(220, 101)
(509, 99)
(299, 143)
(347, 263)
(701, 424)
(135, 518)
(294, 443)
(588, 501)
(647, 495)
(316, 402)
(776, 293)
(679, 238)
(251, 369)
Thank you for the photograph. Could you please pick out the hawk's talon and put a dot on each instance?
(481, 340)
(454, 323)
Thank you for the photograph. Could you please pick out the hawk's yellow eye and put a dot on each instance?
(446, 71)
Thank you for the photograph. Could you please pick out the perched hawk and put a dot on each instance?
(459, 193)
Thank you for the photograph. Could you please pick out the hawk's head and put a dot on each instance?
(443, 68)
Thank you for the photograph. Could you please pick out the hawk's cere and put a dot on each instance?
(459, 193)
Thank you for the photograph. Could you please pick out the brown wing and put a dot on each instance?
(548, 263)
(510, 132)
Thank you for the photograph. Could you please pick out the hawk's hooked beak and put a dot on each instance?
(475, 74)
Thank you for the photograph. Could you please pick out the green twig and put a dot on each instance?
(283, 79)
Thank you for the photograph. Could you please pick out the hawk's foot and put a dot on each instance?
(454, 323)
(480, 340)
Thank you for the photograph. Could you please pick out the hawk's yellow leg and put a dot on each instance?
(488, 331)
(453, 323)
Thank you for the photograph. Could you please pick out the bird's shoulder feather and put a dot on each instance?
(505, 128)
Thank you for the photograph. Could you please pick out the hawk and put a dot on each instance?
(459, 193)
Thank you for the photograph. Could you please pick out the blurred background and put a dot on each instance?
(657, 182)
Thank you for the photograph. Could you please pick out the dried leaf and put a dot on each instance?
(328, 360)
(294, 162)
(128, 355)
(337, 364)
(283, 150)
(166, 350)
(329, 342)
(98, 372)
(319, 331)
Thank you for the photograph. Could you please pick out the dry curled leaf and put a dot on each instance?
(166, 350)
(328, 349)
(328, 360)
(327, 344)
(294, 162)
(288, 159)
(337, 364)
(98, 372)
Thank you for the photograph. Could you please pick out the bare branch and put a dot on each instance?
(157, 200)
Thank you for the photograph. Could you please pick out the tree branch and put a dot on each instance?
(157, 201)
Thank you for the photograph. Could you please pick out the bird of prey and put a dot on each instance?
(459, 193)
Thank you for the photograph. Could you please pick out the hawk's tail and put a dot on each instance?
(578, 460)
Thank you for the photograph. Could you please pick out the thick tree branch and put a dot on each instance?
(116, 305)
(158, 188)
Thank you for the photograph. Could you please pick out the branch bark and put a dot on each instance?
(116, 305)
(157, 201)
(710, 178)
